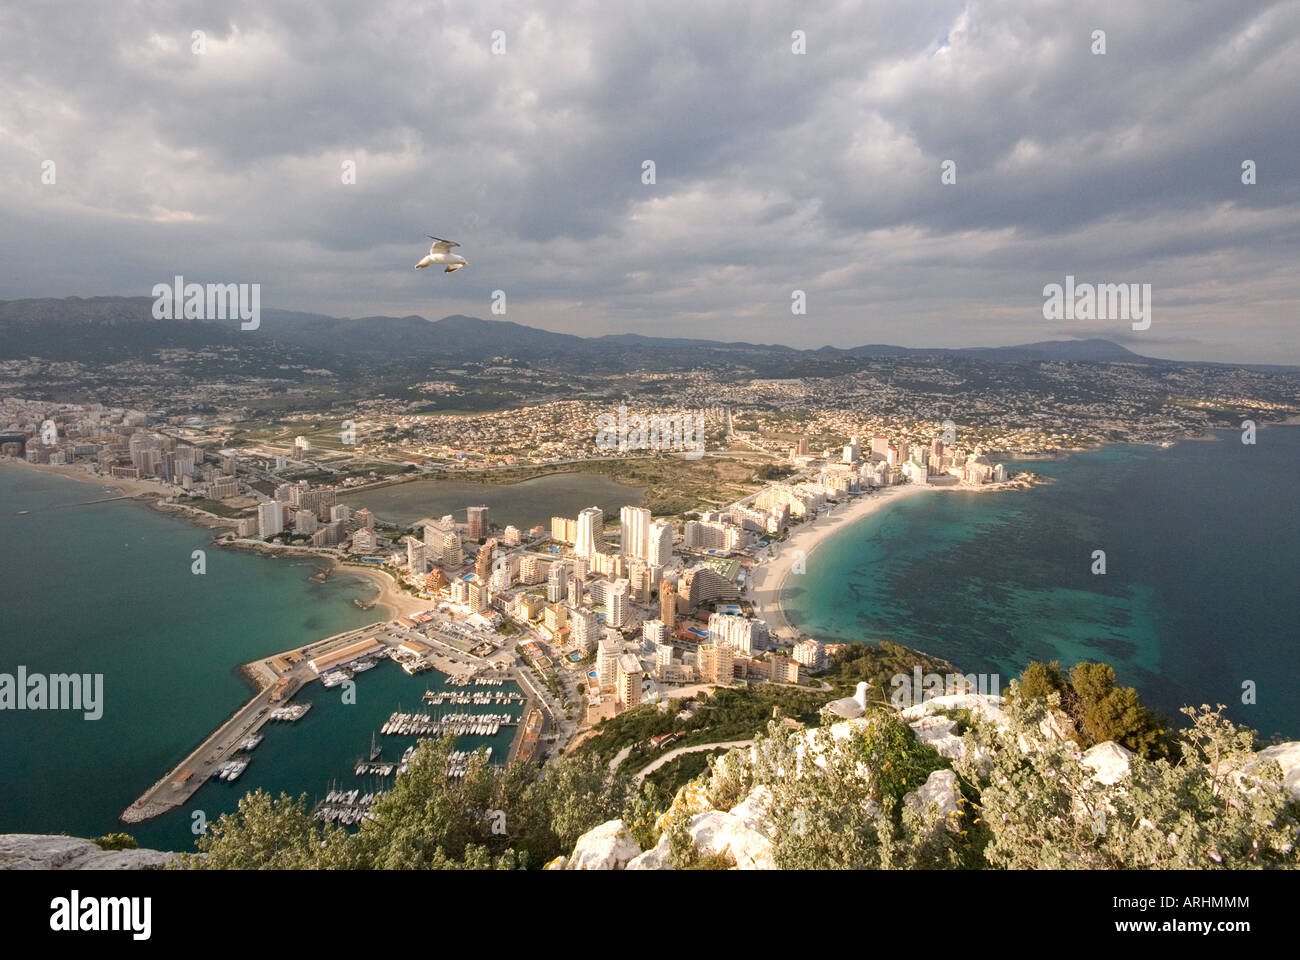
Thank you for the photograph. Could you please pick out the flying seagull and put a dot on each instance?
(440, 252)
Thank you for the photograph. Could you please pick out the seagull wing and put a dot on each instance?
(442, 246)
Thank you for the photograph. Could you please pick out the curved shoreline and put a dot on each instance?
(767, 580)
(391, 598)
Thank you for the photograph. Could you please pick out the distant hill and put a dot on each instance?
(120, 328)
(1086, 351)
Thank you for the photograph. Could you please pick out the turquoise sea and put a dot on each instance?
(1202, 544)
(108, 588)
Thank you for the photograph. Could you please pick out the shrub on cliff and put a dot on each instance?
(1098, 710)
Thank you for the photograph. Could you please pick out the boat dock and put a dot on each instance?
(280, 676)
(186, 777)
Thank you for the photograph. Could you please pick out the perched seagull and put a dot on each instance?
(852, 707)
(440, 252)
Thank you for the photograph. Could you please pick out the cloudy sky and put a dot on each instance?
(774, 171)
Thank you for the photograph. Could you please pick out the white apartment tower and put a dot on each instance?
(270, 518)
(737, 632)
(415, 555)
(451, 556)
(591, 532)
(660, 549)
(583, 626)
(616, 603)
(634, 531)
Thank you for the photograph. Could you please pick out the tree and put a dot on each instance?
(1040, 679)
(1097, 709)
(269, 833)
(642, 810)
(1092, 682)
(836, 801)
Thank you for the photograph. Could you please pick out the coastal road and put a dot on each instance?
(681, 751)
(620, 757)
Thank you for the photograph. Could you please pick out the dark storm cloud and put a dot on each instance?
(774, 171)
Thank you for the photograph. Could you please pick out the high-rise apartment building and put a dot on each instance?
(583, 627)
(716, 662)
(415, 556)
(668, 605)
(811, 653)
(736, 631)
(590, 536)
(629, 681)
(607, 654)
(634, 532)
(451, 555)
(660, 550)
(270, 518)
(557, 581)
(477, 522)
(617, 601)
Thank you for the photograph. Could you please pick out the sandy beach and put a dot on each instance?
(767, 579)
(130, 488)
(398, 602)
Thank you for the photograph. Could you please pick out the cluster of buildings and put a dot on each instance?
(118, 443)
(633, 610)
(311, 512)
(882, 462)
(643, 604)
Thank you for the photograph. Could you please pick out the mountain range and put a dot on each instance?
(107, 329)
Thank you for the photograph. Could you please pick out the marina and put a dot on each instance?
(346, 807)
(291, 713)
(438, 698)
(460, 724)
(458, 762)
(231, 769)
(283, 675)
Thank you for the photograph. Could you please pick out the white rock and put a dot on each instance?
(1109, 762)
(934, 727)
(754, 812)
(606, 847)
(719, 832)
(980, 705)
(940, 790)
(940, 732)
(1288, 757)
(1057, 726)
(657, 857)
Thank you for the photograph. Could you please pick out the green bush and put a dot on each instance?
(1097, 709)
(116, 841)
